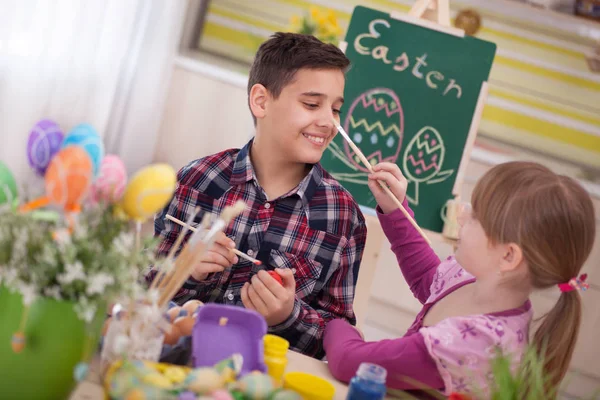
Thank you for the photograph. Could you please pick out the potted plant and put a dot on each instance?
(55, 283)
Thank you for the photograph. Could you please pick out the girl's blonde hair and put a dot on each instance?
(551, 218)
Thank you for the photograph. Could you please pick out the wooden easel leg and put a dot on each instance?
(432, 10)
(419, 8)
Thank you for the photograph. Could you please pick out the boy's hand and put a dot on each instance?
(272, 300)
(217, 259)
(391, 175)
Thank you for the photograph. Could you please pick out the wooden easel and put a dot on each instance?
(432, 14)
(435, 14)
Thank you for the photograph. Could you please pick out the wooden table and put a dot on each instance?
(91, 389)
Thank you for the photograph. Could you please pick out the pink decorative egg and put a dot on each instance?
(110, 184)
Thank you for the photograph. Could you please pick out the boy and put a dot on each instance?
(299, 220)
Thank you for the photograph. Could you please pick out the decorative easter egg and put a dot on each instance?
(276, 276)
(18, 342)
(110, 184)
(157, 380)
(175, 374)
(204, 380)
(221, 395)
(285, 395)
(237, 395)
(68, 177)
(256, 386)
(81, 371)
(185, 325)
(424, 155)
(149, 191)
(172, 335)
(375, 123)
(8, 186)
(85, 136)
(192, 305)
(135, 394)
(44, 142)
(173, 313)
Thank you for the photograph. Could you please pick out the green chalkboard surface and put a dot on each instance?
(410, 97)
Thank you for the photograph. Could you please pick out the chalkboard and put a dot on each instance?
(410, 98)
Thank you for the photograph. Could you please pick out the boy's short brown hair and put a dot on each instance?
(283, 54)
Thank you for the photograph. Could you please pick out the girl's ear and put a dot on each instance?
(512, 257)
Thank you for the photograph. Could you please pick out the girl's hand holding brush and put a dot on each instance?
(389, 174)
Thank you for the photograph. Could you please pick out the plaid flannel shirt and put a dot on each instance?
(317, 230)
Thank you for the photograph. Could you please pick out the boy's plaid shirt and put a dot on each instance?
(317, 230)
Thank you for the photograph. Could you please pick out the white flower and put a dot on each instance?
(53, 291)
(28, 292)
(123, 243)
(62, 238)
(98, 282)
(85, 310)
(74, 272)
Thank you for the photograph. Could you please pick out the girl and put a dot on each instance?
(528, 229)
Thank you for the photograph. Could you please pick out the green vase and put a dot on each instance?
(55, 341)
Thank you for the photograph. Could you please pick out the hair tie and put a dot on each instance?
(574, 284)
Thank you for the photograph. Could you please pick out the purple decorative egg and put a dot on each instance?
(44, 142)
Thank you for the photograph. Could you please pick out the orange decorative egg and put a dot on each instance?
(192, 305)
(18, 342)
(173, 313)
(185, 325)
(172, 335)
(68, 176)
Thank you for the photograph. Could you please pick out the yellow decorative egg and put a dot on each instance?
(149, 191)
(204, 380)
(175, 374)
(158, 380)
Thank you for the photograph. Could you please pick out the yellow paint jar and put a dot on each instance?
(276, 349)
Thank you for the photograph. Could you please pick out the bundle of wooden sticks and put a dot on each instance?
(171, 275)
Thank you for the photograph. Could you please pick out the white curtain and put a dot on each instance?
(104, 62)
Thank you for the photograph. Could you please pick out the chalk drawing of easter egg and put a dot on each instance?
(44, 142)
(375, 122)
(111, 181)
(424, 155)
(84, 135)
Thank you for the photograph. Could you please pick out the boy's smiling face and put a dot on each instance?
(298, 124)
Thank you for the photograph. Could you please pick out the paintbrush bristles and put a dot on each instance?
(193, 251)
(233, 211)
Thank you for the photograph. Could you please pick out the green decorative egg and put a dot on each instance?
(256, 386)
(285, 395)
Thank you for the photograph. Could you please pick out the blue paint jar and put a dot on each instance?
(368, 383)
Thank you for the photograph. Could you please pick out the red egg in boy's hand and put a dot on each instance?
(275, 276)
